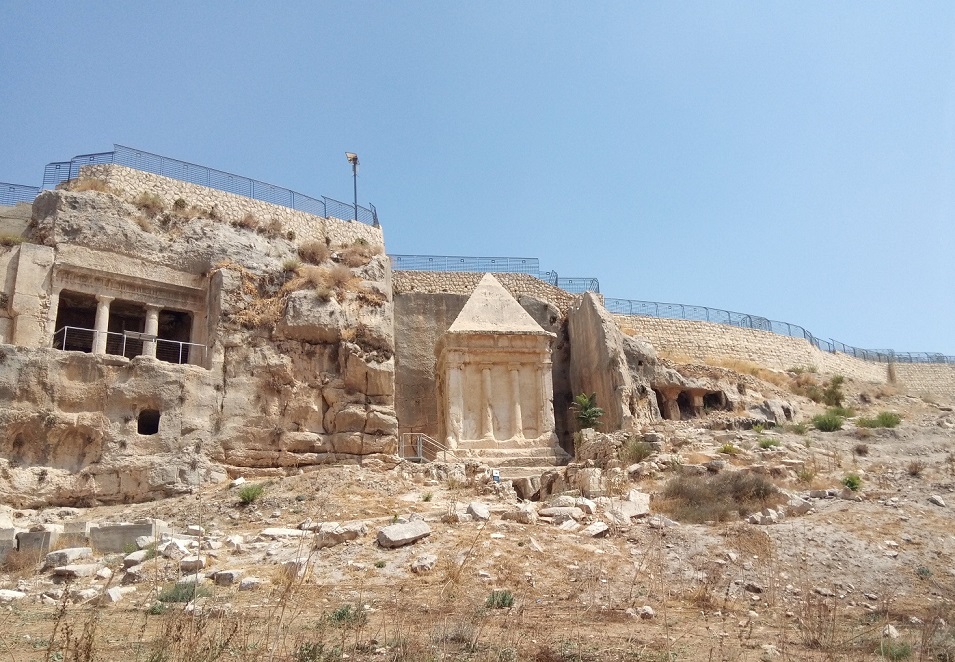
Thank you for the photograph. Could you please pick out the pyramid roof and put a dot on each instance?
(492, 309)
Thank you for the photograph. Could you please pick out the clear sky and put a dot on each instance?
(794, 160)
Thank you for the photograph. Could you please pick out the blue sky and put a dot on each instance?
(791, 160)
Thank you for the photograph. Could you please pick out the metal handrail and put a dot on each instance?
(413, 446)
(122, 344)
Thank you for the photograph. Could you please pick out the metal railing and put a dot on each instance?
(11, 194)
(78, 339)
(703, 314)
(61, 171)
(419, 447)
(497, 265)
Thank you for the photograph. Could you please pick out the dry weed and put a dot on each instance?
(149, 203)
(88, 184)
(314, 252)
(358, 254)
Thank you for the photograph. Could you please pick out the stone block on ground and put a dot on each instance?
(398, 535)
(66, 556)
(76, 570)
(423, 563)
(479, 510)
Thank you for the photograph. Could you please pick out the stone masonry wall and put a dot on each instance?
(231, 207)
(933, 379)
(457, 282)
(700, 340)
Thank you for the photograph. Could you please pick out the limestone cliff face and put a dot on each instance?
(297, 370)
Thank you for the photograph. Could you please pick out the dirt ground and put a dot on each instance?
(820, 586)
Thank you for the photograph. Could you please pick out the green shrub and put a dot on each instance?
(923, 572)
(797, 428)
(827, 422)
(499, 599)
(636, 451)
(348, 616)
(719, 497)
(586, 410)
(844, 412)
(183, 592)
(380, 564)
(832, 395)
(250, 493)
(291, 264)
(728, 449)
(179, 204)
(427, 496)
(852, 482)
(892, 649)
(885, 419)
(766, 442)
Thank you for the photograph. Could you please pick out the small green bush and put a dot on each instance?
(499, 600)
(892, 649)
(291, 264)
(832, 395)
(766, 442)
(586, 411)
(183, 592)
(852, 482)
(885, 419)
(797, 428)
(179, 204)
(250, 493)
(380, 564)
(348, 616)
(923, 572)
(839, 410)
(827, 422)
(728, 449)
(427, 496)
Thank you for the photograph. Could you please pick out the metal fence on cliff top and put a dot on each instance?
(60, 171)
(728, 317)
(11, 194)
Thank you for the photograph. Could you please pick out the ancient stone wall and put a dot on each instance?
(936, 380)
(232, 208)
(700, 340)
(459, 282)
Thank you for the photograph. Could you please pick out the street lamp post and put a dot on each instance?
(353, 159)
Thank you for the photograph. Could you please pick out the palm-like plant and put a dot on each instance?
(586, 410)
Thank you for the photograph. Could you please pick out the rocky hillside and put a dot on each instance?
(680, 541)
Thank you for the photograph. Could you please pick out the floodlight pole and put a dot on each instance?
(353, 159)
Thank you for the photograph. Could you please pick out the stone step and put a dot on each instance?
(516, 457)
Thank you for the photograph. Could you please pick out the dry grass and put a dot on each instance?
(719, 498)
(7, 240)
(88, 184)
(144, 223)
(149, 203)
(358, 254)
(248, 222)
(20, 563)
(751, 368)
(314, 252)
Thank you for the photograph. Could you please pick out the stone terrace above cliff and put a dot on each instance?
(454, 282)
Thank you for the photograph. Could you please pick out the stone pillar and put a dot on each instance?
(671, 409)
(454, 405)
(151, 329)
(547, 424)
(517, 424)
(102, 323)
(487, 406)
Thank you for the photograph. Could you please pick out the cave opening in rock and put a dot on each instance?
(148, 422)
(714, 401)
(660, 405)
(685, 402)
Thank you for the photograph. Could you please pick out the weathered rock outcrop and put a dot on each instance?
(599, 364)
(297, 367)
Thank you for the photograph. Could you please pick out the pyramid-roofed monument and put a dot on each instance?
(492, 309)
(495, 389)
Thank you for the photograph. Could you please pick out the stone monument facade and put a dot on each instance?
(494, 376)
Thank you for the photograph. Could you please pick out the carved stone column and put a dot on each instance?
(454, 405)
(487, 405)
(101, 326)
(151, 329)
(517, 424)
(547, 405)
